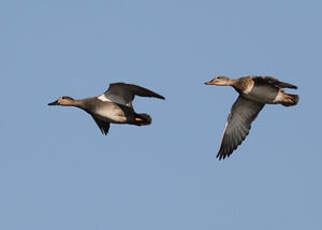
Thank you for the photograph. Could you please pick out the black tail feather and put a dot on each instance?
(290, 99)
(144, 119)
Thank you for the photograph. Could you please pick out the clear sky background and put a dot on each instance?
(57, 171)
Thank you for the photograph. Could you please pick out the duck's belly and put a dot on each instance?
(112, 114)
(263, 94)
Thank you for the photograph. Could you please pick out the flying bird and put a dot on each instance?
(254, 93)
(113, 106)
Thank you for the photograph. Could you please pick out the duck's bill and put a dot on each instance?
(53, 103)
(209, 82)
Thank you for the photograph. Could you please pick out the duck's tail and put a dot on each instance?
(290, 99)
(142, 119)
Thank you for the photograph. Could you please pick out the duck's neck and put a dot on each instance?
(232, 82)
(77, 103)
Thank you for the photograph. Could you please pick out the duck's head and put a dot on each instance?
(64, 100)
(219, 80)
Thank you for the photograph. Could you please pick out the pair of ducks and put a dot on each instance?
(115, 106)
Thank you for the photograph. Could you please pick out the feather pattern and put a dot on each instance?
(124, 93)
(242, 114)
(273, 81)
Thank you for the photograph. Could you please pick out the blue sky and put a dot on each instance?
(58, 172)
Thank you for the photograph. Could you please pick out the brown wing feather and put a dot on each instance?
(238, 124)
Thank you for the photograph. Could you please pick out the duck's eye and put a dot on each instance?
(219, 77)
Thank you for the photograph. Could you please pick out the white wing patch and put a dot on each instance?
(249, 87)
(103, 98)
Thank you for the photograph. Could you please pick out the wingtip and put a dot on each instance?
(156, 95)
(104, 133)
(220, 155)
(224, 153)
(292, 86)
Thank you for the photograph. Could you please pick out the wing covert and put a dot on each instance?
(124, 93)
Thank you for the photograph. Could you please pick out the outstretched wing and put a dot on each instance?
(238, 124)
(124, 94)
(102, 125)
(273, 81)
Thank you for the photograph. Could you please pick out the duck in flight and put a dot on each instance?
(254, 93)
(113, 106)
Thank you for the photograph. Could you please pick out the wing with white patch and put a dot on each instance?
(124, 94)
(238, 124)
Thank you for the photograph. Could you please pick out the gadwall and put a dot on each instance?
(113, 106)
(254, 93)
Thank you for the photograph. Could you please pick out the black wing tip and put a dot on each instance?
(161, 97)
(290, 86)
(226, 152)
(154, 94)
(222, 155)
(104, 132)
